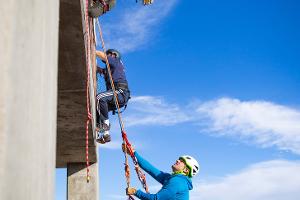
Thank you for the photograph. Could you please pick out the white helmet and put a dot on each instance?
(192, 164)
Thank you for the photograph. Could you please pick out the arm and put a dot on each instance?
(168, 191)
(150, 169)
(112, 61)
(101, 55)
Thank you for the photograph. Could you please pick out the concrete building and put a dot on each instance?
(43, 100)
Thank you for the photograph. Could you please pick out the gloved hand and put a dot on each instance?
(127, 148)
(130, 191)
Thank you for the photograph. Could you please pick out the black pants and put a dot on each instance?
(104, 99)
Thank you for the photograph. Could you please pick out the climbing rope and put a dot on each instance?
(126, 143)
(89, 115)
(87, 34)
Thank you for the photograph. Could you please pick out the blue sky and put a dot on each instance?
(218, 80)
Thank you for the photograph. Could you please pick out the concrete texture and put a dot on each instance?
(43, 96)
(72, 113)
(78, 188)
(28, 99)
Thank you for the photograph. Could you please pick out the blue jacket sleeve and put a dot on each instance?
(168, 191)
(151, 170)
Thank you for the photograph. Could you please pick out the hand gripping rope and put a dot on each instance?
(126, 143)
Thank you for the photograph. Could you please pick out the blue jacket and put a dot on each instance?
(174, 187)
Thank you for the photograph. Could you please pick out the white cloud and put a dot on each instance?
(272, 180)
(136, 25)
(258, 122)
(261, 122)
(147, 110)
(113, 145)
(117, 196)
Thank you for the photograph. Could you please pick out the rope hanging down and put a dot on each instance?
(126, 143)
(87, 38)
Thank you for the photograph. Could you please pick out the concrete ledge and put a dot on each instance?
(72, 113)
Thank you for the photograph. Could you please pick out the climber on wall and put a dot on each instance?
(105, 100)
(174, 186)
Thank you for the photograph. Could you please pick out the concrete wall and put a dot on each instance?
(78, 188)
(72, 112)
(28, 85)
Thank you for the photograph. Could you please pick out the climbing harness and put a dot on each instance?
(126, 143)
(114, 109)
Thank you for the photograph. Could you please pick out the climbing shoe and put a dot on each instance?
(102, 139)
(102, 131)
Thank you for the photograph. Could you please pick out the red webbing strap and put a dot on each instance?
(139, 172)
(124, 136)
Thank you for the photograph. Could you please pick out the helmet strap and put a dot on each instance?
(180, 172)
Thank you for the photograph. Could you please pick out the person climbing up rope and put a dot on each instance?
(105, 100)
(99, 7)
(174, 186)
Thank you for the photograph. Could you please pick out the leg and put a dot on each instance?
(102, 114)
(102, 105)
(102, 109)
(103, 125)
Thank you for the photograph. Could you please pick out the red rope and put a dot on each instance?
(124, 136)
(89, 115)
(87, 148)
(139, 172)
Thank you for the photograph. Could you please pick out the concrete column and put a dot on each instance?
(28, 91)
(78, 188)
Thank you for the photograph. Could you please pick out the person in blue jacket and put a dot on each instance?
(175, 186)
